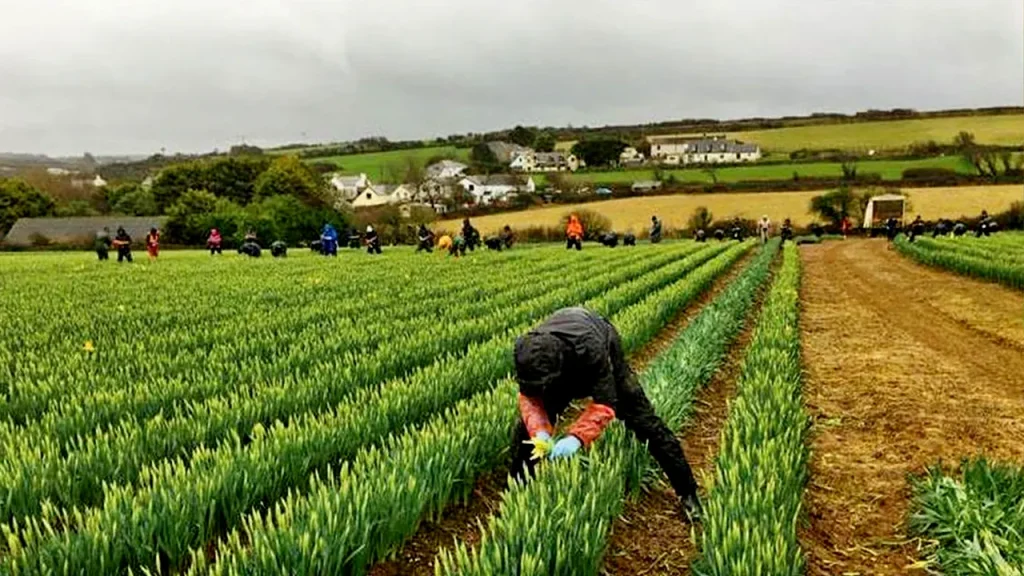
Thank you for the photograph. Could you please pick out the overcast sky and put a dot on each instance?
(135, 76)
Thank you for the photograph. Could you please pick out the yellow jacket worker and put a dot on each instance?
(444, 243)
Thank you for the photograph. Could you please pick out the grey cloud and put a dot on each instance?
(193, 75)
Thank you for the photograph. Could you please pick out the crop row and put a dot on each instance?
(253, 345)
(365, 511)
(974, 519)
(407, 349)
(932, 253)
(179, 506)
(557, 523)
(37, 468)
(752, 510)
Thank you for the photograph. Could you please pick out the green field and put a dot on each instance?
(889, 169)
(375, 164)
(1004, 130)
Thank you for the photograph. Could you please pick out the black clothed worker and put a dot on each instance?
(737, 230)
(941, 229)
(787, 230)
(372, 240)
(278, 249)
(609, 239)
(493, 243)
(424, 239)
(892, 228)
(123, 243)
(507, 237)
(720, 235)
(959, 229)
(985, 225)
(103, 244)
(916, 228)
(629, 239)
(577, 354)
(700, 236)
(470, 234)
(655, 230)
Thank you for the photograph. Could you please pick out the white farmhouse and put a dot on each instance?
(494, 188)
(382, 194)
(631, 155)
(710, 150)
(350, 186)
(530, 161)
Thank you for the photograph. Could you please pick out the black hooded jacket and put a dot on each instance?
(570, 355)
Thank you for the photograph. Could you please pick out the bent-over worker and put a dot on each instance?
(575, 354)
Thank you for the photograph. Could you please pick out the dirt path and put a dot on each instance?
(462, 523)
(650, 537)
(905, 366)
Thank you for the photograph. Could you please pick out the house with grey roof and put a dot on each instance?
(349, 186)
(505, 152)
(530, 161)
(496, 187)
(446, 169)
(702, 150)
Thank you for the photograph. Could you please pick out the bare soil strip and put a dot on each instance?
(462, 523)
(905, 366)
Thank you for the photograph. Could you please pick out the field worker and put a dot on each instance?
(425, 237)
(655, 230)
(123, 243)
(700, 236)
(737, 230)
(892, 228)
(458, 247)
(250, 247)
(764, 228)
(574, 233)
(609, 239)
(373, 241)
(787, 230)
(959, 229)
(493, 243)
(329, 240)
(507, 237)
(278, 249)
(153, 243)
(444, 243)
(577, 354)
(102, 244)
(629, 239)
(916, 228)
(985, 225)
(845, 226)
(214, 242)
(720, 235)
(470, 235)
(942, 228)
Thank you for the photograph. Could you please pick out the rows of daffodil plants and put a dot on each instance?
(999, 258)
(973, 519)
(558, 522)
(173, 501)
(40, 466)
(388, 491)
(266, 334)
(751, 514)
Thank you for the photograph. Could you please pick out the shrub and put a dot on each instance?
(931, 175)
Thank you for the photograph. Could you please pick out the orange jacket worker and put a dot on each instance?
(574, 233)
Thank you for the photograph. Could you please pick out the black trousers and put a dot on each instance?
(571, 242)
(636, 412)
(102, 254)
(124, 254)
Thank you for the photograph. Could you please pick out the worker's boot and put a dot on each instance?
(691, 508)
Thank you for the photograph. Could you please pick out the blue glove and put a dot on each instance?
(542, 435)
(565, 447)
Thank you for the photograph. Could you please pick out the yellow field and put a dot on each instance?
(1006, 130)
(674, 210)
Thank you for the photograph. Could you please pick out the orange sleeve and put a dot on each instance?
(592, 422)
(534, 416)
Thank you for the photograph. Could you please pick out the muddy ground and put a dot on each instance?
(906, 365)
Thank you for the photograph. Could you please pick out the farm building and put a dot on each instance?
(43, 231)
(446, 169)
(711, 150)
(487, 189)
(505, 152)
(530, 161)
(350, 186)
(380, 194)
(645, 185)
